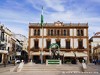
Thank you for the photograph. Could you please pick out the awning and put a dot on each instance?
(35, 53)
(69, 54)
(62, 53)
(81, 54)
(46, 53)
(4, 51)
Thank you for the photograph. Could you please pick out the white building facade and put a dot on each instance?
(94, 41)
(72, 39)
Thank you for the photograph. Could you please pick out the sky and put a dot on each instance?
(17, 14)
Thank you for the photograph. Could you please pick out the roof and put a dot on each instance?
(96, 35)
(58, 23)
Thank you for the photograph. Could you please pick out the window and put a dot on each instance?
(2, 36)
(36, 44)
(64, 32)
(6, 38)
(38, 32)
(80, 32)
(80, 44)
(48, 44)
(48, 32)
(58, 42)
(58, 32)
(35, 32)
(67, 44)
(51, 32)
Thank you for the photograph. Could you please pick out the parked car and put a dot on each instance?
(17, 61)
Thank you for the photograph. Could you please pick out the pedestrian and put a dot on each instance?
(4, 62)
(95, 62)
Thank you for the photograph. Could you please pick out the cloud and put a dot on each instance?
(56, 5)
(20, 13)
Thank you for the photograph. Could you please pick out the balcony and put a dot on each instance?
(4, 51)
(2, 42)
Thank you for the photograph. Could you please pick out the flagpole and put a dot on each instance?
(42, 45)
(42, 37)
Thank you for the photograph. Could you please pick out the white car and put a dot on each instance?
(18, 61)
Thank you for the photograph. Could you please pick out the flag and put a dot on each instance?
(42, 18)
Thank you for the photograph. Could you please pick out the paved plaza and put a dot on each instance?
(47, 73)
(96, 69)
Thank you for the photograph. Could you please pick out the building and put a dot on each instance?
(18, 49)
(72, 39)
(96, 53)
(5, 37)
(23, 40)
(10, 46)
(94, 41)
(22, 53)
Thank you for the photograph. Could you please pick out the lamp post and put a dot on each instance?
(41, 57)
(63, 57)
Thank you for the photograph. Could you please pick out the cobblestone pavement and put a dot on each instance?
(48, 73)
(96, 67)
(7, 68)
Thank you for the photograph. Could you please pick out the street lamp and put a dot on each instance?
(41, 57)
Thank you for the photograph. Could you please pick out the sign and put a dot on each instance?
(18, 53)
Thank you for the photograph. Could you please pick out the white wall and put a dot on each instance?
(74, 32)
(75, 43)
(32, 31)
(45, 32)
(44, 42)
(40, 42)
(71, 43)
(96, 39)
(71, 32)
(94, 44)
(84, 43)
(40, 32)
(63, 44)
(84, 32)
(31, 42)
(53, 40)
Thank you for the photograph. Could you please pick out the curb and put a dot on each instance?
(81, 72)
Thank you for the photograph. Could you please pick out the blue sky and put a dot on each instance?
(16, 14)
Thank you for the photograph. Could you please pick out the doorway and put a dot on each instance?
(0, 58)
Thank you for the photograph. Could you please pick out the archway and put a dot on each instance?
(55, 53)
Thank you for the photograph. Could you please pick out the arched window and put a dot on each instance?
(58, 42)
(38, 31)
(2, 36)
(80, 44)
(58, 32)
(34, 32)
(78, 32)
(48, 32)
(48, 44)
(82, 33)
(67, 44)
(51, 32)
(64, 32)
(36, 44)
